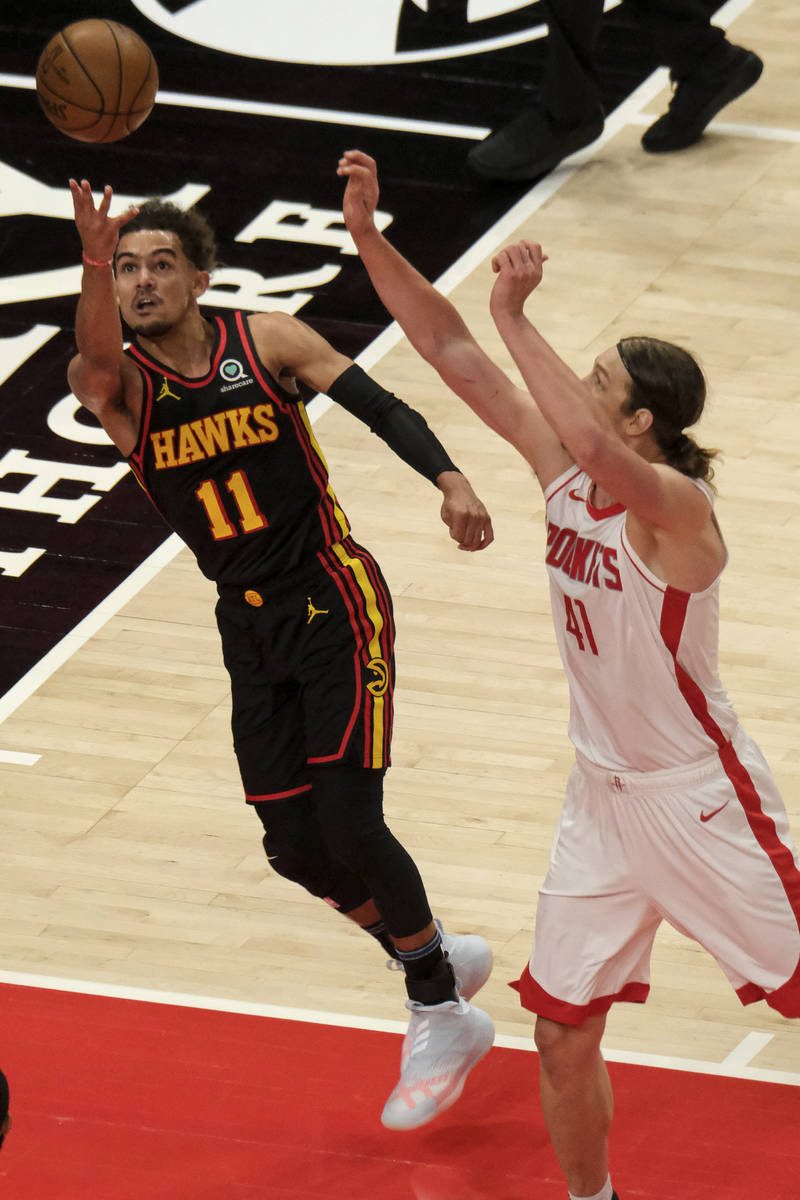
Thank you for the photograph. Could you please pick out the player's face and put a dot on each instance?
(156, 283)
(609, 384)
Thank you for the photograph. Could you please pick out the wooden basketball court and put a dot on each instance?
(128, 859)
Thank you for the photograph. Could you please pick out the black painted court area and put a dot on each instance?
(241, 163)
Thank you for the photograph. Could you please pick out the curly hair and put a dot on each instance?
(192, 229)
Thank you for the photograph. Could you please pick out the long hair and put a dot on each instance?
(193, 230)
(666, 380)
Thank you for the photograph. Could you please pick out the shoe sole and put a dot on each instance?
(735, 88)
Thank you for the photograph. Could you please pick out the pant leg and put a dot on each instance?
(680, 33)
(570, 87)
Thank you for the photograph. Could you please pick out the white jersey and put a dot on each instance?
(640, 656)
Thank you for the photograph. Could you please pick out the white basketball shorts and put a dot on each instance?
(705, 847)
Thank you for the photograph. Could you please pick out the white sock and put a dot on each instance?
(605, 1193)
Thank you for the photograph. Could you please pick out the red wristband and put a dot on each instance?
(96, 262)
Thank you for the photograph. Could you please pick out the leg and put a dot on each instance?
(576, 1100)
(568, 114)
(349, 807)
(446, 1035)
(570, 86)
(707, 70)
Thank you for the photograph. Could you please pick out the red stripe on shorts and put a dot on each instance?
(673, 616)
(537, 1000)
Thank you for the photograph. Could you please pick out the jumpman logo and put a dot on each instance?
(165, 393)
(314, 612)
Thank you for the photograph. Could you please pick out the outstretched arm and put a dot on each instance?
(290, 348)
(579, 410)
(438, 333)
(100, 376)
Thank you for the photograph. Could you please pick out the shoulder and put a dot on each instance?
(275, 325)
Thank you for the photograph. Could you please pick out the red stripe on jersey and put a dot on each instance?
(637, 568)
(332, 567)
(561, 486)
(317, 469)
(154, 365)
(137, 457)
(673, 617)
(256, 365)
(305, 787)
(385, 639)
(537, 1000)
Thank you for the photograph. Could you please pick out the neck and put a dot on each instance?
(186, 347)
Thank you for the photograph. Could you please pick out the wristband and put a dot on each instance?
(97, 262)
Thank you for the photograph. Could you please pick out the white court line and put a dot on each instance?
(767, 133)
(325, 116)
(90, 624)
(748, 1048)
(19, 758)
(734, 1066)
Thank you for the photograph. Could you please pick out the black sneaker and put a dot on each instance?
(531, 145)
(698, 98)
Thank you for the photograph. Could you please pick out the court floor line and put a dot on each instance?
(767, 133)
(735, 1065)
(90, 624)
(324, 116)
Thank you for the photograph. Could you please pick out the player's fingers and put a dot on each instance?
(128, 215)
(105, 202)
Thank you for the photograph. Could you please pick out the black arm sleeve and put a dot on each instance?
(402, 428)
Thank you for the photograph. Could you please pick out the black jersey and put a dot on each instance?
(231, 463)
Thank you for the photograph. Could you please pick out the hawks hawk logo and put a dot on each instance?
(350, 32)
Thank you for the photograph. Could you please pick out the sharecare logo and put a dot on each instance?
(231, 369)
(349, 32)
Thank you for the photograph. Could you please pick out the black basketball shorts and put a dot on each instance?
(311, 661)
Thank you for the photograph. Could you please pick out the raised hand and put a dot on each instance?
(519, 271)
(98, 231)
(361, 194)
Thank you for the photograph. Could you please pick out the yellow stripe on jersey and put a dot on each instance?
(341, 519)
(375, 649)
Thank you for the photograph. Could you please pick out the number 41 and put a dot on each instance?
(578, 624)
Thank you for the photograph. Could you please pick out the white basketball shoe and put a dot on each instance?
(442, 1045)
(471, 957)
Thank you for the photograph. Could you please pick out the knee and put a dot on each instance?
(286, 858)
(568, 1050)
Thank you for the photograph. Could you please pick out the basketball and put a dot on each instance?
(96, 80)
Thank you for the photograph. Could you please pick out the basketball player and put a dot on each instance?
(671, 812)
(208, 414)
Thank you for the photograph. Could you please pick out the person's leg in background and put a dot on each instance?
(707, 70)
(567, 114)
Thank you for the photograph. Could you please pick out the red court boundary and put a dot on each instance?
(121, 1099)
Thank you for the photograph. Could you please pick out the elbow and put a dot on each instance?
(589, 446)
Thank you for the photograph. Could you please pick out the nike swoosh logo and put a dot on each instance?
(707, 816)
(573, 495)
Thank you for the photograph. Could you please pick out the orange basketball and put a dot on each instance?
(96, 80)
